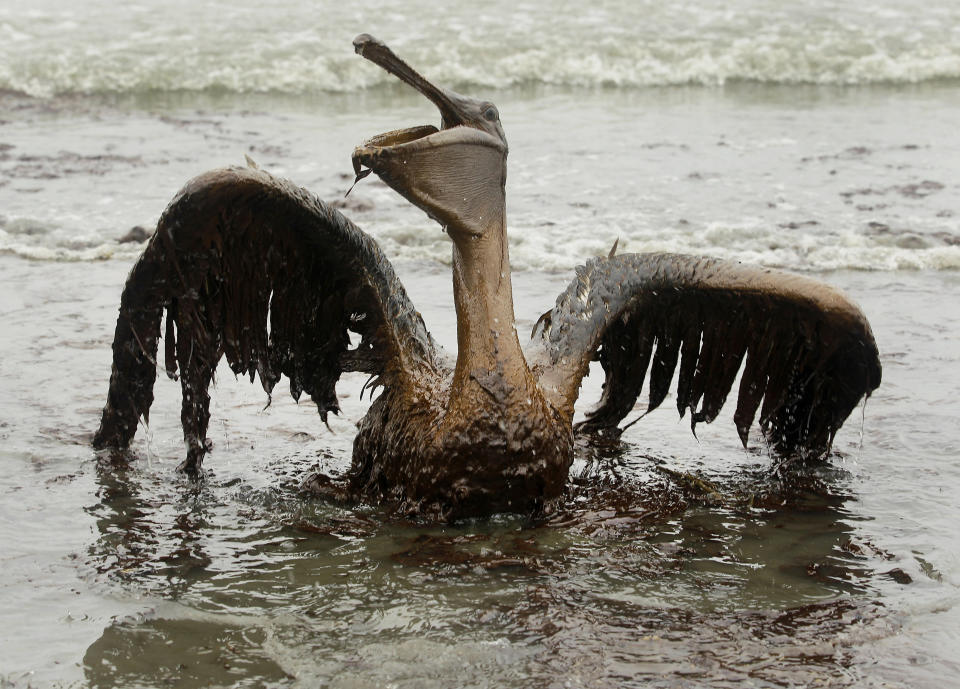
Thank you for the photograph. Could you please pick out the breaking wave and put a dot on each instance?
(290, 48)
(561, 246)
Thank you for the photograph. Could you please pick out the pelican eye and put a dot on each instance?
(490, 114)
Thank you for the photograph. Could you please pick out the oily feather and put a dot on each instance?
(809, 352)
(257, 270)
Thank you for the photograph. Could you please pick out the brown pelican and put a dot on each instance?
(258, 270)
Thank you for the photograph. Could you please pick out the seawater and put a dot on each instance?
(56, 47)
(818, 137)
(806, 177)
(755, 109)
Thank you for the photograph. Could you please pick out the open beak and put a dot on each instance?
(455, 110)
(377, 52)
(438, 170)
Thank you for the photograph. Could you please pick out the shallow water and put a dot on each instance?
(805, 177)
(135, 576)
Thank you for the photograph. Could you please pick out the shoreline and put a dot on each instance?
(781, 180)
(134, 575)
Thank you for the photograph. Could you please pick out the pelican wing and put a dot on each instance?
(256, 269)
(809, 352)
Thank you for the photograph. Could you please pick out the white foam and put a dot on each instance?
(624, 44)
(560, 247)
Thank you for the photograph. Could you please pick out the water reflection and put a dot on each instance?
(149, 534)
(646, 574)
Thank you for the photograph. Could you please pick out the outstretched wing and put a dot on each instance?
(810, 353)
(256, 269)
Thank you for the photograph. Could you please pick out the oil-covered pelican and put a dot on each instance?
(256, 269)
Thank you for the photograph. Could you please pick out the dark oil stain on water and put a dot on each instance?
(678, 564)
(688, 564)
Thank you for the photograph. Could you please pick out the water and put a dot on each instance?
(55, 47)
(819, 138)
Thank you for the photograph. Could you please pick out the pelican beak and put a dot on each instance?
(453, 173)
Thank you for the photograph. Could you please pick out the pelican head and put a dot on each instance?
(455, 174)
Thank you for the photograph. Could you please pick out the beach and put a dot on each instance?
(831, 151)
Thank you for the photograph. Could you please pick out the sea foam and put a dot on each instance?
(289, 48)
